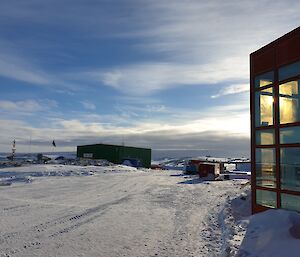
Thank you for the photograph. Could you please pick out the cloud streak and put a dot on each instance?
(233, 89)
(176, 44)
(88, 105)
(192, 39)
(189, 134)
(14, 67)
(196, 42)
(27, 106)
(148, 78)
(211, 142)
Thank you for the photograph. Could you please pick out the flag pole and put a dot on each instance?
(53, 146)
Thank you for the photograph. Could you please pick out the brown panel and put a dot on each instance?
(258, 208)
(252, 113)
(289, 50)
(291, 192)
(264, 61)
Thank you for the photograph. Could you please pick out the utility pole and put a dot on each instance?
(13, 151)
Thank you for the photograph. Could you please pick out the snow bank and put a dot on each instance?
(232, 220)
(28, 173)
(273, 233)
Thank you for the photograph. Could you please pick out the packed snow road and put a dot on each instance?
(153, 213)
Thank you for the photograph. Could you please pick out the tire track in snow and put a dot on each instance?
(51, 229)
(183, 204)
(197, 229)
(88, 216)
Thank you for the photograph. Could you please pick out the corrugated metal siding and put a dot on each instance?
(116, 153)
(99, 151)
(143, 154)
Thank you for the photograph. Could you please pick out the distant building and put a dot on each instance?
(243, 166)
(275, 124)
(118, 154)
(205, 169)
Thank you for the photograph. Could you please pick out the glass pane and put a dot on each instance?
(265, 137)
(264, 79)
(289, 102)
(289, 71)
(264, 107)
(266, 198)
(290, 168)
(290, 202)
(290, 135)
(265, 167)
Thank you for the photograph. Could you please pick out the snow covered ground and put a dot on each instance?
(113, 211)
(274, 233)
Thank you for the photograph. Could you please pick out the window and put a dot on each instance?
(264, 110)
(290, 168)
(265, 167)
(289, 71)
(265, 137)
(264, 79)
(266, 198)
(290, 135)
(289, 102)
(290, 202)
(275, 124)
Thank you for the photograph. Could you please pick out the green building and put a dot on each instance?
(138, 157)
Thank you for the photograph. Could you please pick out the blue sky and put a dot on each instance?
(170, 75)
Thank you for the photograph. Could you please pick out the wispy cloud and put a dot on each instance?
(26, 67)
(88, 105)
(27, 106)
(233, 89)
(148, 78)
(73, 133)
(214, 29)
(188, 132)
(195, 42)
(200, 43)
(14, 67)
(175, 44)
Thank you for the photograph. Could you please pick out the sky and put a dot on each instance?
(171, 75)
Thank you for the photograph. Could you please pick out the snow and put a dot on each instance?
(73, 210)
(30, 172)
(273, 233)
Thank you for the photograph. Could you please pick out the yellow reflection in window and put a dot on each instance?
(289, 102)
(267, 138)
(268, 90)
(265, 82)
(267, 156)
(266, 107)
(265, 169)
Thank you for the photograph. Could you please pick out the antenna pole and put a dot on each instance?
(13, 150)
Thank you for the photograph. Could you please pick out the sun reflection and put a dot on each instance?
(289, 102)
(270, 100)
(266, 107)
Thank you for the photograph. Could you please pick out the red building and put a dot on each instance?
(275, 124)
